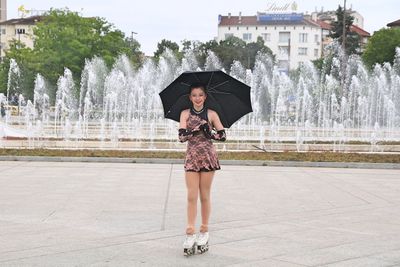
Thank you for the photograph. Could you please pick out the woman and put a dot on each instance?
(201, 162)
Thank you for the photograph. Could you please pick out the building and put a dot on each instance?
(329, 16)
(327, 29)
(17, 29)
(3, 10)
(292, 37)
(394, 24)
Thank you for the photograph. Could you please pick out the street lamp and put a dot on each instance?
(132, 33)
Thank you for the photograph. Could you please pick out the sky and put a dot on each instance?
(177, 20)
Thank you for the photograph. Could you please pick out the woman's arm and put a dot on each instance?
(183, 118)
(184, 134)
(216, 122)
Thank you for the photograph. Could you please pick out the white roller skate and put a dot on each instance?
(189, 246)
(202, 242)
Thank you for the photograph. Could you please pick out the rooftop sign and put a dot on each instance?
(273, 7)
(280, 17)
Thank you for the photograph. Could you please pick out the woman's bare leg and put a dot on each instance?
(206, 179)
(192, 185)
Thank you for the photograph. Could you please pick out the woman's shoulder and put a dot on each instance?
(212, 112)
(185, 112)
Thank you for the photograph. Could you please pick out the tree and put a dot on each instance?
(352, 42)
(164, 45)
(203, 49)
(231, 49)
(26, 62)
(64, 39)
(381, 47)
(252, 49)
(234, 48)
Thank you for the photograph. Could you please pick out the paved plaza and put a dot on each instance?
(123, 214)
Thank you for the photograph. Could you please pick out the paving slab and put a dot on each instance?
(133, 214)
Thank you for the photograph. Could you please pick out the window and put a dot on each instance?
(283, 50)
(283, 64)
(284, 37)
(229, 28)
(266, 37)
(3, 31)
(227, 35)
(315, 52)
(247, 36)
(303, 51)
(237, 28)
(316, 38)
(19, 31)
(302, 37)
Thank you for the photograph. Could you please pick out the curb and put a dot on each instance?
(357, 165)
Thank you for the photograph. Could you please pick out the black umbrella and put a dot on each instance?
(227, 96)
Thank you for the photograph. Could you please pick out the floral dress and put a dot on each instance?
(201, 155)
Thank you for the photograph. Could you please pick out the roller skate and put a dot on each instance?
(189, 246)
(202, 242)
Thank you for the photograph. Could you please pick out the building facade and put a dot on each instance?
(3, 10)
(292, 37)
(17, 29)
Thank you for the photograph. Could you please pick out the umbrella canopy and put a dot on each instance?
(227, 96)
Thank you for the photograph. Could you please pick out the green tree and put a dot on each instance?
(381, 47)
(352, 42)
(234, 48)
(231, 49)
(27, 64)
(252, 49)
(203, 49)
(64, 39)
(164, 45)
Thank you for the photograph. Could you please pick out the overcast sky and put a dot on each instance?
(177, 20)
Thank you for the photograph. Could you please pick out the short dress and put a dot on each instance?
(201, 155)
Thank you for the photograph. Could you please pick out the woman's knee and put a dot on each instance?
(192, 197)
(204, 197)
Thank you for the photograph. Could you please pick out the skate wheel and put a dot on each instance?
(188, 252)
(202, 249)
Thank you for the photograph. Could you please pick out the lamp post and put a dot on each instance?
(132, 33)
(344, 58)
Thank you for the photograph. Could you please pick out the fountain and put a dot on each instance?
(120, 108)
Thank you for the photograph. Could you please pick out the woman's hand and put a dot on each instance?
(205, 128)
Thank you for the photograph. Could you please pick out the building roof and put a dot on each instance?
(359, 31)
(24, 21)
(252, 21)
(234, 20)
(326, 26)
(395, 23)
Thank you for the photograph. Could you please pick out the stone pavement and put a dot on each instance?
(123, 214)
